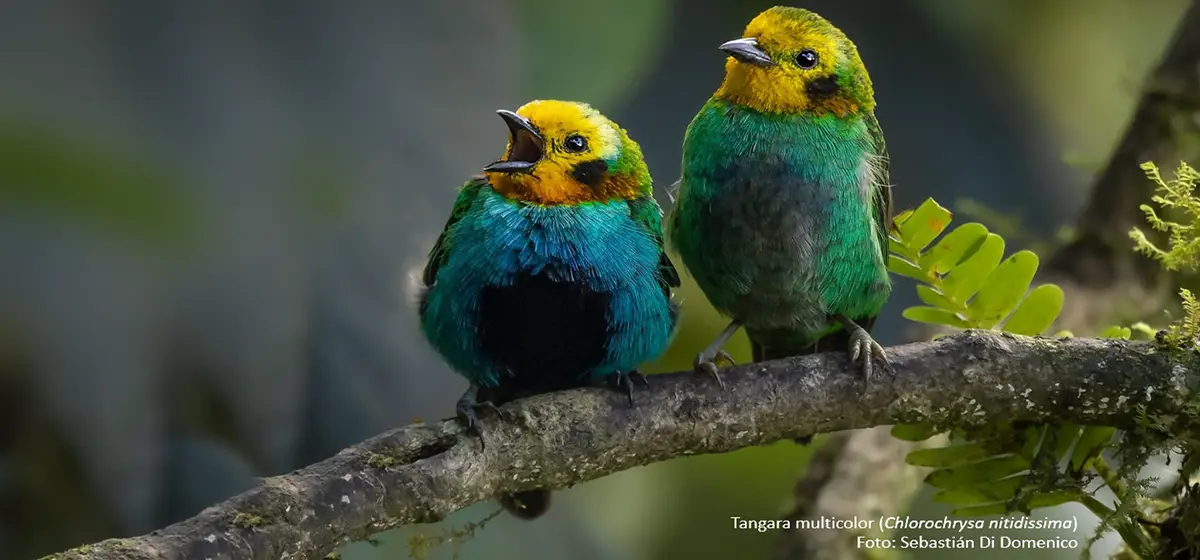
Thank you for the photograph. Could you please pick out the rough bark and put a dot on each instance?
(853, 475)
(423, 472)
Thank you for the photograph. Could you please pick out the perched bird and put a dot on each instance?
(550, 273)
(783, 206)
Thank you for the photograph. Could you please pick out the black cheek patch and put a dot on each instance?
(590, 173)
(823, 86)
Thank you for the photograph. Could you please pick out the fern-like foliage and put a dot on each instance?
(966, 282)
(1183, 237)
(1176, 197)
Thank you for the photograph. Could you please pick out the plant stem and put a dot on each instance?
(1111, 479)
(1095, 506)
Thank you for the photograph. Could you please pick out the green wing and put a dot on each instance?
(440, 252)
(646, 212)
(882, 184)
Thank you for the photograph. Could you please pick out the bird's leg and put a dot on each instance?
(624, 382)
(705, 360)
(468, 406)
(864, 347)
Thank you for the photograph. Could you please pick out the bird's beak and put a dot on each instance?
(746, 50)
(527, 145)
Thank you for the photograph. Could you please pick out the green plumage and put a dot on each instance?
(784, 206)
(782, 220)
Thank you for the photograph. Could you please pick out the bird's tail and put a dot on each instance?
(773, 345)
(527, 505)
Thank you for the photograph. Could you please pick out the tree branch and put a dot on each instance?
(854, 474)
(421, 473)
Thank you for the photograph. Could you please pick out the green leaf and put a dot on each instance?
(1003, 290)
(1033, 440)
(1117, 332)
(984, 493)
(1067, 434)
(1049, 499)
(931, 296)
(953, 248)
(1055, 498)
(1143, 329)
(1064, 334)
(1091, 442)
(1039, 310)
(898, 219)
(965, 279)
(896, 247)
(983, 471)
(950, 457)
(914, 432)
(980, 511)
(934, 316)
(924, 225)
(898, 265)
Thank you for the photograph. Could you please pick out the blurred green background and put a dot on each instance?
(210, 213)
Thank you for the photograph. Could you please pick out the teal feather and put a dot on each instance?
(491, 243)
(553, 276)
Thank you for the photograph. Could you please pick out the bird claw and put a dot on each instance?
(468, 412)
(625, 381)
(639, 377)
(707, 365)
(864, 349)
(706, 361)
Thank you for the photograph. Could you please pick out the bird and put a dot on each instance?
(551, 273)
(783, 205)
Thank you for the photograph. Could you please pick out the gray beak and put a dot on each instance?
(746, 50)
(528, 147)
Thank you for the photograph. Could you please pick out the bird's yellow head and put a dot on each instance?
(562, 152)
(791, 60)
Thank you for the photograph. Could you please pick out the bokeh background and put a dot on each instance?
(210, 213)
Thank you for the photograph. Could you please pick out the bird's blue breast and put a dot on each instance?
(538, 298)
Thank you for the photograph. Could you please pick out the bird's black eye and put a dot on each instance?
(806, 59)
(575, 143)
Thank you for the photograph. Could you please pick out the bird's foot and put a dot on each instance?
(706, 364)
(706, 361)
(624, 382)
(864, 348)
(468, 408)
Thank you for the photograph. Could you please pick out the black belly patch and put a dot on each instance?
(548, 334)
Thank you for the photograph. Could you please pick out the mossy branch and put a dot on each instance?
(561, 439)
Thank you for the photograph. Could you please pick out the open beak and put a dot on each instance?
(746, 50)
(527, 146)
